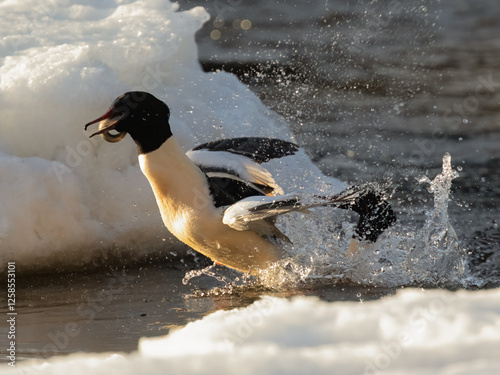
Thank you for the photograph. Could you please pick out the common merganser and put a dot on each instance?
(217, 198)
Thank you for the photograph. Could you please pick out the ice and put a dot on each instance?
(67, 200)
(412, 332)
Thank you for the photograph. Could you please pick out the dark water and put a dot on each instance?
(371, 89)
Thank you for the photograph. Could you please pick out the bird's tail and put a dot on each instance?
(375, 212)
(369, 202)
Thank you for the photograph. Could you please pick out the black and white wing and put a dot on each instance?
(258, 213)
(223, 164)
(252, 199)
(260, 150)
(233, 169)
(242, 214)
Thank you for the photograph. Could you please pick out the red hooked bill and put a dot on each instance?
(108, 122)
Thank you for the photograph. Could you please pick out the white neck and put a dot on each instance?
(178, 184)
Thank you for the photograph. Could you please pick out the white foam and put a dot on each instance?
(66, 199)
(413, 332)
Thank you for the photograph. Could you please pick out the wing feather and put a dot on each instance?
(237, 167)
(260, 150)
(240, 215)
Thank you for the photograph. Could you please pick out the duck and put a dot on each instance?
(218, 198)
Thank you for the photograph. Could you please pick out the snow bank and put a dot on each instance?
(413, 332)
(65, 199)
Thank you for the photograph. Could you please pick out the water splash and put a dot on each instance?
(220, 273)
(483, 252)
(437, 257)
(428, 255)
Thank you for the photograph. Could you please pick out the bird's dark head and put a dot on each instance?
(139, 114)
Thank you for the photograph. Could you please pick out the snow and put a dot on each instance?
(412, 332)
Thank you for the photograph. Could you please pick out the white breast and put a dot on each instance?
(187, 209)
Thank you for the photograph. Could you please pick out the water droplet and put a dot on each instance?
(246, 24)
(218, 22)
(215, 34)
